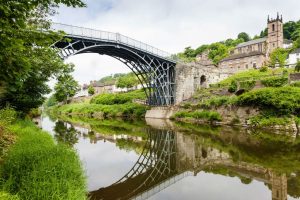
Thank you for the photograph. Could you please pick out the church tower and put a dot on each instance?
(275, 33)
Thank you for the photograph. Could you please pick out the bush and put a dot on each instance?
(247, 85)
(283, 100)
(263, 69)
(7, 115)
(296, 84)
(261, 120)
(233, 87)
(119, 98)
(37, 168)
(275, 81)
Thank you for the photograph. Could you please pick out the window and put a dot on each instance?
(254, 65)
(273, 44)
(246, 66)
(273, 27)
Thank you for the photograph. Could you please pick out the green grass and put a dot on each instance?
(7, 196)
(206, 115)
(108, 111)
(36, 168)
(264, 121)
(119, 98)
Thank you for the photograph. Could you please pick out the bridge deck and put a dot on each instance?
(88, 33)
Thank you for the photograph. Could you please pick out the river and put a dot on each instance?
(164, 160)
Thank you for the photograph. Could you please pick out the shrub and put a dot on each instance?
(7, 115)
(283, 100)
(247, 85)
(296, 84)
(261, 120)
(119, 98)
(263, 69)
(233, 87)
(275, 81)
(208, 115)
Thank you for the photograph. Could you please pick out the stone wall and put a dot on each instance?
(191, 76)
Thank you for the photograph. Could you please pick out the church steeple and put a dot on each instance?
(275, 33)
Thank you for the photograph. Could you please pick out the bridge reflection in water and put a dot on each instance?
(170, 156)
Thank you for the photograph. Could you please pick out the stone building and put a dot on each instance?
(245, 56)
(255, 53)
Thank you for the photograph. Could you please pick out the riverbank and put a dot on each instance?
(106, 106)
(35, 167)
(262, 99)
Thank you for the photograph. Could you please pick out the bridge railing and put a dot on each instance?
(110, 37)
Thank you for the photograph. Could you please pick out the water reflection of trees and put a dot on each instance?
(277, 154)
(65, 133)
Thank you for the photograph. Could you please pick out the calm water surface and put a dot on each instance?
(163, 160)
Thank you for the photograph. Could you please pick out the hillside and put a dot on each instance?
(267, 98)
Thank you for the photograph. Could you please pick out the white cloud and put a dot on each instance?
(170, 25)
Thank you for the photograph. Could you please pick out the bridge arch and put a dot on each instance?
(154, 68)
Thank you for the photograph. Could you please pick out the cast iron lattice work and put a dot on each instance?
(154, 68)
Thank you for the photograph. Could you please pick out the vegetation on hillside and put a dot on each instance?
(277, 101)
(219, 50)
(118, 98)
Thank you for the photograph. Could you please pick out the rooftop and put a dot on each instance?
(259, 40)
(242, 55)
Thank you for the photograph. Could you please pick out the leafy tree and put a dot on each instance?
(51, 101)
(297, 67)
(127, 81)
(200, 49)
(26, 60)
(244, 36)
(278, 57)
(65, 88)
(91, 90)
(289, 28)
(296, 44)
(217, 52)
(264, 33)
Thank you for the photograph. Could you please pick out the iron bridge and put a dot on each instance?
(154, 68)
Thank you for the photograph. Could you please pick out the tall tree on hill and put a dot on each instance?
(244, 36)
(26, 60)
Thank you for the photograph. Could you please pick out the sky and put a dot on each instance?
(170, 25)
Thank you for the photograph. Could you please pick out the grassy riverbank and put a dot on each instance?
(106, 106)
(35, 167)
(254, 98)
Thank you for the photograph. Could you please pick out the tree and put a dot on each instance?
(26, 60)
(264, 33)
(127, 81)
(297, 67)
(91, 90)
(217, 52)
(244, 36)
(65, 88)
(51, 101)
(278, 57)
(288, 29)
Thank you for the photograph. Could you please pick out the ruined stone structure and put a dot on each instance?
(248, 55)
